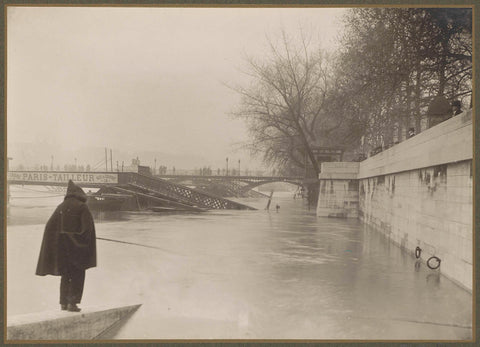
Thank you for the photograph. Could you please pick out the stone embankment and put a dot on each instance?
(418, 193)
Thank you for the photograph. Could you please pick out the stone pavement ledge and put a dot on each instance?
(90, 323)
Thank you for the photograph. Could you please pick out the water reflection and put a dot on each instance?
(418, 264)
(250, 275)
(433, 278)
(106, 216)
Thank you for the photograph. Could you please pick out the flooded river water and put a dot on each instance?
(242, 275)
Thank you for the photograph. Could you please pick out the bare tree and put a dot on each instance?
(285, 102)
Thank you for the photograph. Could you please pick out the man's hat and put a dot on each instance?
(73, 189)
(71, 185)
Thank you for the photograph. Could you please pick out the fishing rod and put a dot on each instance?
(113, 240)
(136, 244)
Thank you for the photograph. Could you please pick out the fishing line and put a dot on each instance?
(137, 244)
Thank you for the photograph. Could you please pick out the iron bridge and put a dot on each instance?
(237, 186)
(127, 181)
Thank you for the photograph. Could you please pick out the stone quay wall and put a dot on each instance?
(419, 193)
(338, 193)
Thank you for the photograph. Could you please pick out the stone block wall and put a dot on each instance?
(430, 208)
(338, 194)
(419, 193)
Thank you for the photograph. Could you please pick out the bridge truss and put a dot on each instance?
(232, 186)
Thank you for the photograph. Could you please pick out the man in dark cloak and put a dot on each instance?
(69, 246)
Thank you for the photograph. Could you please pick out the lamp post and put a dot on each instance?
(238, 167)
(227, 166)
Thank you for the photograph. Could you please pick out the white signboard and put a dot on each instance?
(62, 177)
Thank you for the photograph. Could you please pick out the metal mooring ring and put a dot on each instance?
(437, 259)
(418, 251)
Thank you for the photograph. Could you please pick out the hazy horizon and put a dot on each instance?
(139, 79)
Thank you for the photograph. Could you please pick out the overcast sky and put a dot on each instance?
(139, 78)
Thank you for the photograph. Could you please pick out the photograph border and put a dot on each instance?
(240, 4)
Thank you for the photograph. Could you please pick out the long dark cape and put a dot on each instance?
(69, 237)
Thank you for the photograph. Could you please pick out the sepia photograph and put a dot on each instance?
(238, 173)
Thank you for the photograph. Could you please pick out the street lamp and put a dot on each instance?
(227, 166)
(238, 167)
